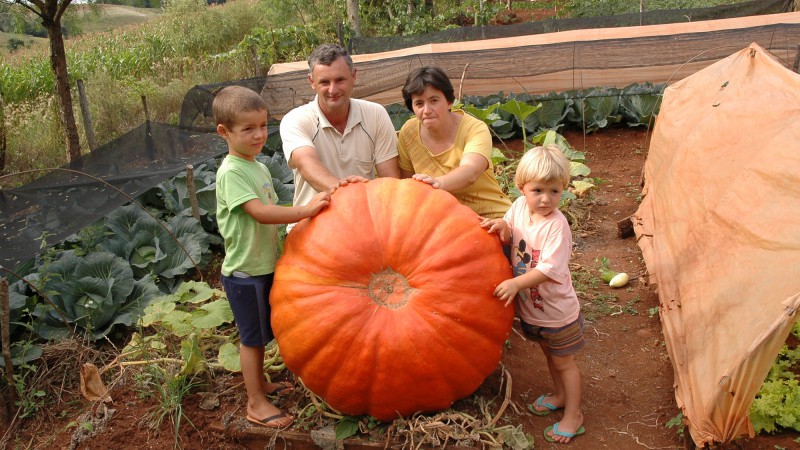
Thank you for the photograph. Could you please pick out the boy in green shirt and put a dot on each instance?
(247, 215)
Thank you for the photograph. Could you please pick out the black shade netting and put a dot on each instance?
(62, 202)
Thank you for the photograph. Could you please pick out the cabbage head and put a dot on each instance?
(92, 293)
(151, 248)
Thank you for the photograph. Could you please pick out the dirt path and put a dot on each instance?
(627, 376)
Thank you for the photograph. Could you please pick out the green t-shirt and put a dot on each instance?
(250, 247)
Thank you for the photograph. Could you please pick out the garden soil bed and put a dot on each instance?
(628, 392)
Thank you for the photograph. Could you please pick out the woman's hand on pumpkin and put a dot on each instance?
(427, 179)
(507, 291)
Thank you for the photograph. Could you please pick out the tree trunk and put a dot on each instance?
(58, 62)
(353, 18)
(3, 142)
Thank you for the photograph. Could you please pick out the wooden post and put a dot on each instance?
(796, 60)
(87, 117)
(461, 83)
(3, 134)
(642, 9)
(146, 112)
(340, 34)
(9, 397)
(625, 228)
(256, 62)
(192, 192)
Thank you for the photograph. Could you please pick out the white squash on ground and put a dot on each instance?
(619, 280)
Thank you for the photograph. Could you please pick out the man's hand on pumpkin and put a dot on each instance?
(352, 179)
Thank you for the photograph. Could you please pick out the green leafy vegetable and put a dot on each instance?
(92, 293)
(597, 108)
(553, 109)
(152, 249)
(639, 103)
(193, 308)
(174, 194)
(346, 427)
(282, 176)
(777, 404)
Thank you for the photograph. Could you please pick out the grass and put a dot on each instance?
(170, 390)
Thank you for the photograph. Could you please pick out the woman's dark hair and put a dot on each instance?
(420, 78)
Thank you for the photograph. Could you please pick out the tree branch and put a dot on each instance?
(36, 3)
(62, 8)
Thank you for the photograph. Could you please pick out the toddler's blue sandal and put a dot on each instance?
(558, 432)
(541, 404)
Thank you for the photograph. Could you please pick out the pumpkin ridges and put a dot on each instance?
(299, 341)
(480, 324)
(407, 237)
(329, 357)
(384, 364)
(478, 319)
(472, 362)
(472, 247)
(302, 344)
(321, 248)
(422, 375)
(458, 362)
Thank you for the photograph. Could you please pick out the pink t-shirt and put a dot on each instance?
(546, 246)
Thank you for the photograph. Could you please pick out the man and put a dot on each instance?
(334, 139)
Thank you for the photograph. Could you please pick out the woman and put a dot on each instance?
(448, 149)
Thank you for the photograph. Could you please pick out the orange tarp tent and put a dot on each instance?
(719, 228)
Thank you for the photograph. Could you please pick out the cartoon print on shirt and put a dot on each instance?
(525, 260)
(267, 189)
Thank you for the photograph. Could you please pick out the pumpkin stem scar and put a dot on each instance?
(389, 289)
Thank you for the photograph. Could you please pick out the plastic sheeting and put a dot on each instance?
(719, 228)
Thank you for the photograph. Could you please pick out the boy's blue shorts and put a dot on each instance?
(249, 299)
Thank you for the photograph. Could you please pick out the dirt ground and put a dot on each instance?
(627, 377)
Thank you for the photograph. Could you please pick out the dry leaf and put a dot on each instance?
(92, 386)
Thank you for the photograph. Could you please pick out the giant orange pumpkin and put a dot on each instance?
(383, 303)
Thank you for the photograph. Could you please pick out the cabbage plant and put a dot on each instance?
(150, 248)
(639, 103)
(91, 293)
(597, 108)
(175, 194)
(282, 176)
(550, 116)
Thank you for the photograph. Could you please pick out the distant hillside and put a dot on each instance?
(114, 16)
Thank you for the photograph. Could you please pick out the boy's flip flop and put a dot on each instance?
(284, 388)
(541, 404)
(267, 421)
(558, 432)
